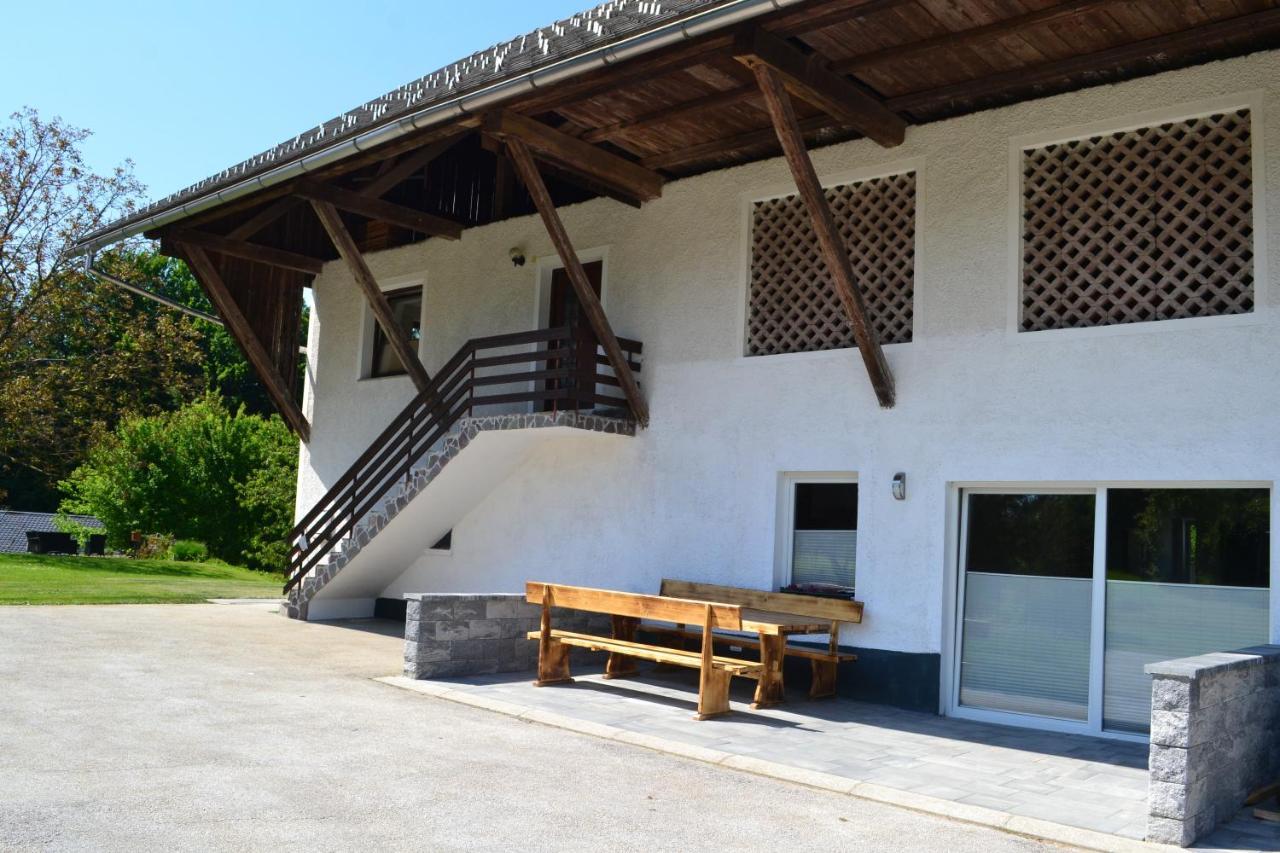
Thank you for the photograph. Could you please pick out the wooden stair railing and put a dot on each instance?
(564, 370)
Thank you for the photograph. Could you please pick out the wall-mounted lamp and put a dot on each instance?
(517, 256)
(900, 486)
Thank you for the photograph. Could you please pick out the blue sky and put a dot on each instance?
(187, 87)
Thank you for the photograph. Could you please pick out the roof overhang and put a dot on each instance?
(462, 108)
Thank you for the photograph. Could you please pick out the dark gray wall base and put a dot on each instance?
(448, 635)
(908, 680)
(390, 608)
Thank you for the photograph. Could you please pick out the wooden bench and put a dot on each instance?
(832, 612)
(627, 609)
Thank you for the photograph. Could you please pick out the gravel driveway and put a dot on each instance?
(229, 727)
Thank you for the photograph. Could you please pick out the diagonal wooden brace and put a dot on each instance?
(834, 253)
(528, 170)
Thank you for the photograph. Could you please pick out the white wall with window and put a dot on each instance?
(1183, 402)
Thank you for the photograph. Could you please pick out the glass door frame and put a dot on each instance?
(1097, 625)
(954, 633)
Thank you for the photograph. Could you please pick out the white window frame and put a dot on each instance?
(1251, 101)
(784, 541)
(954, 611)
(368, 323)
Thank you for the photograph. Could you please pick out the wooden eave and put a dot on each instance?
(693, 108)
(854, 67)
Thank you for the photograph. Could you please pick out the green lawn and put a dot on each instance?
(39, 579)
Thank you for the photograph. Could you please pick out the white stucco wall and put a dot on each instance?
(695, 495)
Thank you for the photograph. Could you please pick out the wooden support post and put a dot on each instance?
(528, 170)
(346, 246)
(281, 394)
(834, 252)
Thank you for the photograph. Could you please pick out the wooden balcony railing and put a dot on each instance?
(551, 369)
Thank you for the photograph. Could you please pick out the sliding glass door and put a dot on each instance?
(1064, 596)
(1028, 584)
(1187, 573)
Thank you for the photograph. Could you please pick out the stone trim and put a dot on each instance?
(456, 634)
(1215, 736)
(453, 443)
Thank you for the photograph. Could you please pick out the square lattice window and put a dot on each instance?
(793, 304)
(1141, 225)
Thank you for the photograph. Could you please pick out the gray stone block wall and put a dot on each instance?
(457, 634)
(1215, 736)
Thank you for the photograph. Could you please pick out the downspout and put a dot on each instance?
(154, 297)
(467, 105)
(157, 298)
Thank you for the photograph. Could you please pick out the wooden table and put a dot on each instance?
(773, 630)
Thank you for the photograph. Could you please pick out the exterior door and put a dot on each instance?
(566, 310)
(1066, 594)
(1026, 603)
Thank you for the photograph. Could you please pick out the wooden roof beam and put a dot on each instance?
(747, 94)
(376, 208)
(972, 36)
(834, 253)
(742, 141)
(575, 156)
(350, 252)
(206, 273)
(809, 78)
(268, 255)
(1255, 24)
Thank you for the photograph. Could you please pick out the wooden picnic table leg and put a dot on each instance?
(769, 689)
(823, 683)
(713, 684)
(619, 665)
(553, 655)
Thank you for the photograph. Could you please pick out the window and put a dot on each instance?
(1141, 225)
(444, 543)
(1028, 569)
(406, 307)
(824, 534)
(793, 306)
(1187, 573)
(1057, 625)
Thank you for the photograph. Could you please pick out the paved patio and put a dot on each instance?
(1015, 778)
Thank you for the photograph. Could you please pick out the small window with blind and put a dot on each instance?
(1139, 226)
(406, 308)
(822, 553)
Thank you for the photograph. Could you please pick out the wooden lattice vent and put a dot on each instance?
(793, 305)
(1142, 225)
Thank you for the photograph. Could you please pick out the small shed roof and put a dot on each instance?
(15, 524)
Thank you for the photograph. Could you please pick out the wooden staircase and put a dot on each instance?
(536, 383)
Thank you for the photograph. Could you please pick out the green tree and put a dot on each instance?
(75, 355)
(202, 472)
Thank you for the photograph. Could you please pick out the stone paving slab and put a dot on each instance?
(1083, 791)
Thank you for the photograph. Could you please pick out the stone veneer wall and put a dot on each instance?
(1215, 736)
(455, 634)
